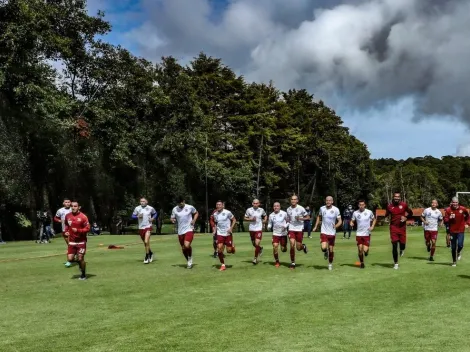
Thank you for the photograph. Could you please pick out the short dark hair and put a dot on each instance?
(181, 199)
(75, 201)
(361, 201)
(396, 193)
(220, 201)
(66, 198)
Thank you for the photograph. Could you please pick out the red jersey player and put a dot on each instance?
(76, 229)
(399, 212)
(457, 217)
(214, 231)
(60, 218)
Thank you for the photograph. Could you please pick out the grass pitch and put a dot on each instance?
(128, 306)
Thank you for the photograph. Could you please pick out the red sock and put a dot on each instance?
(189, 251)
(257, 250)
(433, 250)
(292, 254)
(331, 255)
(221, 257)
(361, 258)
(185, 253)
(276, 257)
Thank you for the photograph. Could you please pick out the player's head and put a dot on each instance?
(294, 200)
(255, 203)
(329, 201)
(219, 205)
(276, 206)
(362, 205)
(434, 203)
(181, 202)
(143, 202)
(350, 207)
(307, 208)
(75, 207)
(455, 203)
(396, 197)
(66, 203)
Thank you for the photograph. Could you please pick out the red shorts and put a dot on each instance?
(143, 232)
(328, 238)
(297, 235)
(187, 237)
(364, 240)
(430, 235)
(225, 240)
(79, 248)
(398, 237)
(256, 235)
(282, 240)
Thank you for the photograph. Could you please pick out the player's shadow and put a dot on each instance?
(464, 276)
(435, 263)
(88, 276)
(420, 258)
(350, 265)
(217, 266)
(286, 265)
(320, 267)
(383, 265)
(185, 266)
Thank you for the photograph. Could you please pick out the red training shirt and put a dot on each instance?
(456, 218)
(77, 221)
(396, 212)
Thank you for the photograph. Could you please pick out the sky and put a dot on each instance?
(396, 71)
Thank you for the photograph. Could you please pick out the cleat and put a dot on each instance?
(366, 253)
(255, 261)
(454, 264)
(292, 266)
(395, 267)
(215, 255)
(309, 236)
(402, 253)
(222, 267)
(305, 249)
(431, 259)
(68, 265)
(151, 257)
(190, 263)
(362, 266)
(428, 247)
(459, 257)
(82, 278)
(277, 265)
(325, 255)
(330, 266)
(146, 260)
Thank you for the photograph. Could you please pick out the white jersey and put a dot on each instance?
(147, 213)
(258, 214)
(328, 220)
(223, 221)
(61, 215)
(363, 220)
(432, 217)
(278, 223)
(184, 217)
(296, 225)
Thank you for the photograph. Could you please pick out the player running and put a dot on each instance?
(185, 216)
(330, 217)
(225, 222)
(278, 223)
(431, 218)
(60, 217)
(257, 217)
(446, 224)
(213, 226)
(296, 215)
(365, 221)
(457, 217)
(145, 215)
(76, 229)
(399, 212)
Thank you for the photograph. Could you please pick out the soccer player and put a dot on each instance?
(225, 223)
(399, 212)
(185, 216)
(278, 223)
(347, 216)
(296, 215)
(365, 221)
(60, 217)
(431, 218)
(257, 217)
(145, 215)
(76, 229)
(213, 226)
(308, 223)
(330, 217)
(446, 224)
(457, 217)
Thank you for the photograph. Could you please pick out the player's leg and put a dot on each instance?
(331, 251)
(395, 239)
(258, 248)
(276, 250)
(453, 246)
(460, 240)
(433, 245)
(299, 236)
(183, 247)
(148, 251)
(324, 245)
(427, 240)
(220, 251)
(214, 245)
(229, 245)
(402, 240)
(447, 236)
(253, 238)
(292, 249)
(188, 240)
(81, 261)
(68, 263)
(360, 250)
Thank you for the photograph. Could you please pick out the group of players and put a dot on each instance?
(286, 226)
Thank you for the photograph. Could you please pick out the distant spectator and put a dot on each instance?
(308, 223)
(95, 230)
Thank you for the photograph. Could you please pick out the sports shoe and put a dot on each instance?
(431, 259)
(82, 278)
(190, 263)
(454, 264)
(277, 265)
(151, 257)
(305, 249)
(366, 253)
(395, 267)
(222, 267)
(362, 266)
(402, 253)
(309, 236)
(292, 266)
(215, 254)
(255, 261)
(330, 266)
(68, 264)
(325, 255)
(146, 260)
(428, 247)
(459, 257)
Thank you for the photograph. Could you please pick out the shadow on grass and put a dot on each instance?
(185, 266)
(419, 258)
(351, 265)
(434, 263)
(286, 265)
(320, 267)
(383, 265)
(464, 276)
(88, 276)
(217, 266)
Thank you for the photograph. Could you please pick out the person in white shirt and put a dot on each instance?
(145, 215)
(431, 218)
(277, 222)
(257, 217)
(330, 221)
(60, 217)
(365, 221)
(296, 215)
(225, 222)
(185, 216)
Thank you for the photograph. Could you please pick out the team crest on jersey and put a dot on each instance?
(332, 211)
(400, 207)
(359, 217)
(70, 222)
(79, 220)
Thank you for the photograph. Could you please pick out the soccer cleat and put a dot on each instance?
(68, 265)
(215, 254)
(150, 257)
(431, 259)
(362, 266)
(459, 257)
(190, 263)
(366, 253)
(255, 261)
(233, 249)
(325, 255)
(222, 267)
(428, 247)
(454, 264)
(277, 265)
(305, 249)
(330, 266)
(146, 260)
(82, 277)
(402, 253)
(292, 266)
(395, 267)
(309, 236)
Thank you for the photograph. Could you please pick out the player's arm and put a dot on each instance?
(374, 221)
(387, 214)
(135, 214)
(317, 222)
(248, 217)
(446, 216)
(173, 216)
(305, 216)
(195, 216)
(409, 212)
(85, 225)
(153, 215)
(233, 223)
(340, 221)
(264, 216)
(423, 219)
(67, 228)
(353, 220)
(270, 222)
(57, 217)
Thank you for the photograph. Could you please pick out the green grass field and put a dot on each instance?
(128, 306)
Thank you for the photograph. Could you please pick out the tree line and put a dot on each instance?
(108, 127)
